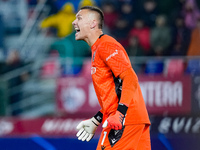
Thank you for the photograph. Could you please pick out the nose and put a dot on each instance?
(74, 22)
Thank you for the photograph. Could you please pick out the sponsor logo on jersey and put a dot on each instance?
(112, 55)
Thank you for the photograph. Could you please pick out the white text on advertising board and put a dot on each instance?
(162, 93)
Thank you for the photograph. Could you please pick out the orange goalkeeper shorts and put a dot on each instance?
(130, 137)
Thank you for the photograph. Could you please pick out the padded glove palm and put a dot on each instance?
(87, 129)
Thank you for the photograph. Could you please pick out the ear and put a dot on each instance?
(93, 24)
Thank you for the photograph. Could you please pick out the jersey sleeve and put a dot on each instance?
(115, 57)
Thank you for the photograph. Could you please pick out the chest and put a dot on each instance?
(99, 70)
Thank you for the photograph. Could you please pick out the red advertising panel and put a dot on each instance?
(166, 95)
(161, 95)
(76, 95)
(40, 126)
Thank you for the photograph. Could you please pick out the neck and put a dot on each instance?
(92, 37)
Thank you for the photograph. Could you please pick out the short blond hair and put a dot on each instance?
(97, 10)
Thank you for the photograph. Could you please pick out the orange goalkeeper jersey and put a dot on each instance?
(109, 60)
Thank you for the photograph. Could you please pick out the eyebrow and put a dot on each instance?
(78, 15)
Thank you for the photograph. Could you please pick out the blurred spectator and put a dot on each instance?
(181, 38)
(149, 12)
(121, 31)
(15, 14)
(194, 48)
(134, 48)
(160, 36)
(14, 62)
(191, 13)
(57, 3)
(62, 21)
(110, 15)
(86, 3)
(53, 4)
(127, 12)
(170, 8)
(143, 33)
(77, 3)
(70, 48)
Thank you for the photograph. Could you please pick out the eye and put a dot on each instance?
(79, 18)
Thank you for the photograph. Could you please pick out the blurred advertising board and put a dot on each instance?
(76, 95)
(161, 95)
(166, 95)
(176, 125)
(196, 94)
(40, 126)
(172, 103)
(175, 132)
(167, 125)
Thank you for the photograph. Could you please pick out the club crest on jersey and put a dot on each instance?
(93, 70)
(113, 54)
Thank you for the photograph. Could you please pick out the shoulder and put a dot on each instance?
(107, 38)
(108, 42)
(109, 47)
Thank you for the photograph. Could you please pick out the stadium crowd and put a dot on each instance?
(147, 27)
(156, 28)
(143, 27)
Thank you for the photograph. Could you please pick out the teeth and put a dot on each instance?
(76, 28)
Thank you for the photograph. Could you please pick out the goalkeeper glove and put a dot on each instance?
(116, 121)
(88, 127)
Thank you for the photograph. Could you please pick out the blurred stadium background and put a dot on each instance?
(45, 82)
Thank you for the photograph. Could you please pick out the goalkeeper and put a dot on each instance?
(123, 111)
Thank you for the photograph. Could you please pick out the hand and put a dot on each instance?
(115, 122)
(87, 129)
